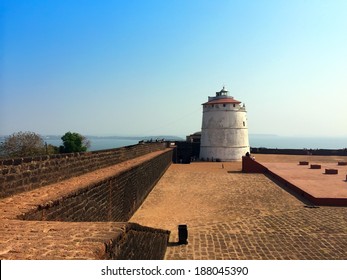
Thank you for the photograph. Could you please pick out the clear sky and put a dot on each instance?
(137, 67)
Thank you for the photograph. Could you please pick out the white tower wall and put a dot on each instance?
(224, 134)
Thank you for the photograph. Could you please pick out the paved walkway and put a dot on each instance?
(231, 215)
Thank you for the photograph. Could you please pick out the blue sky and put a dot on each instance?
(145, 67)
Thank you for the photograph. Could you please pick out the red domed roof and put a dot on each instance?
(229, 100)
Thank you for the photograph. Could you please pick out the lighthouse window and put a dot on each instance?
(244, 124)
(233, 105)
(224, 105)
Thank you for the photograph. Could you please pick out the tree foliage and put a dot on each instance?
(22, 144)
(51, 149)
(74, 142)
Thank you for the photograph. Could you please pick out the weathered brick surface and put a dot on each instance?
(88, 240)
(235, 215)
(23, 174)
(82, 213)
(141, 243)
(114, 198)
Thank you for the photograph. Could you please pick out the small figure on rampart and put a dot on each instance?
(250, 156)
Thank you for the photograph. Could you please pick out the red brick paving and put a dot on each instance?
(313, 181)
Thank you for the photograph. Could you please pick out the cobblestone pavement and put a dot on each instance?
(231, 215)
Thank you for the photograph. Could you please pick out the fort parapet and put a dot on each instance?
(81, 208)
(23, 174)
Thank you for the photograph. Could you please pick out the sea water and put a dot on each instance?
(282, 142)
(256, 141)
(279, 142)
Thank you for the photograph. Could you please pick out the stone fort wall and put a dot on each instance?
(88, 220)
(115, 198)
(23, 174)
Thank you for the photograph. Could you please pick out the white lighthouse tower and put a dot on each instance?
(224, 134)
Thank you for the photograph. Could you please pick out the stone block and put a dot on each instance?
(7, 162)
(316, 166)
(331, 171)
(17, 161)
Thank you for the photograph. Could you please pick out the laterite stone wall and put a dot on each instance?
(113, 199)
(86, 217)
(23, 174)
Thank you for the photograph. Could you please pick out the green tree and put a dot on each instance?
(22, 144)
(74, 142)
(51, 149)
